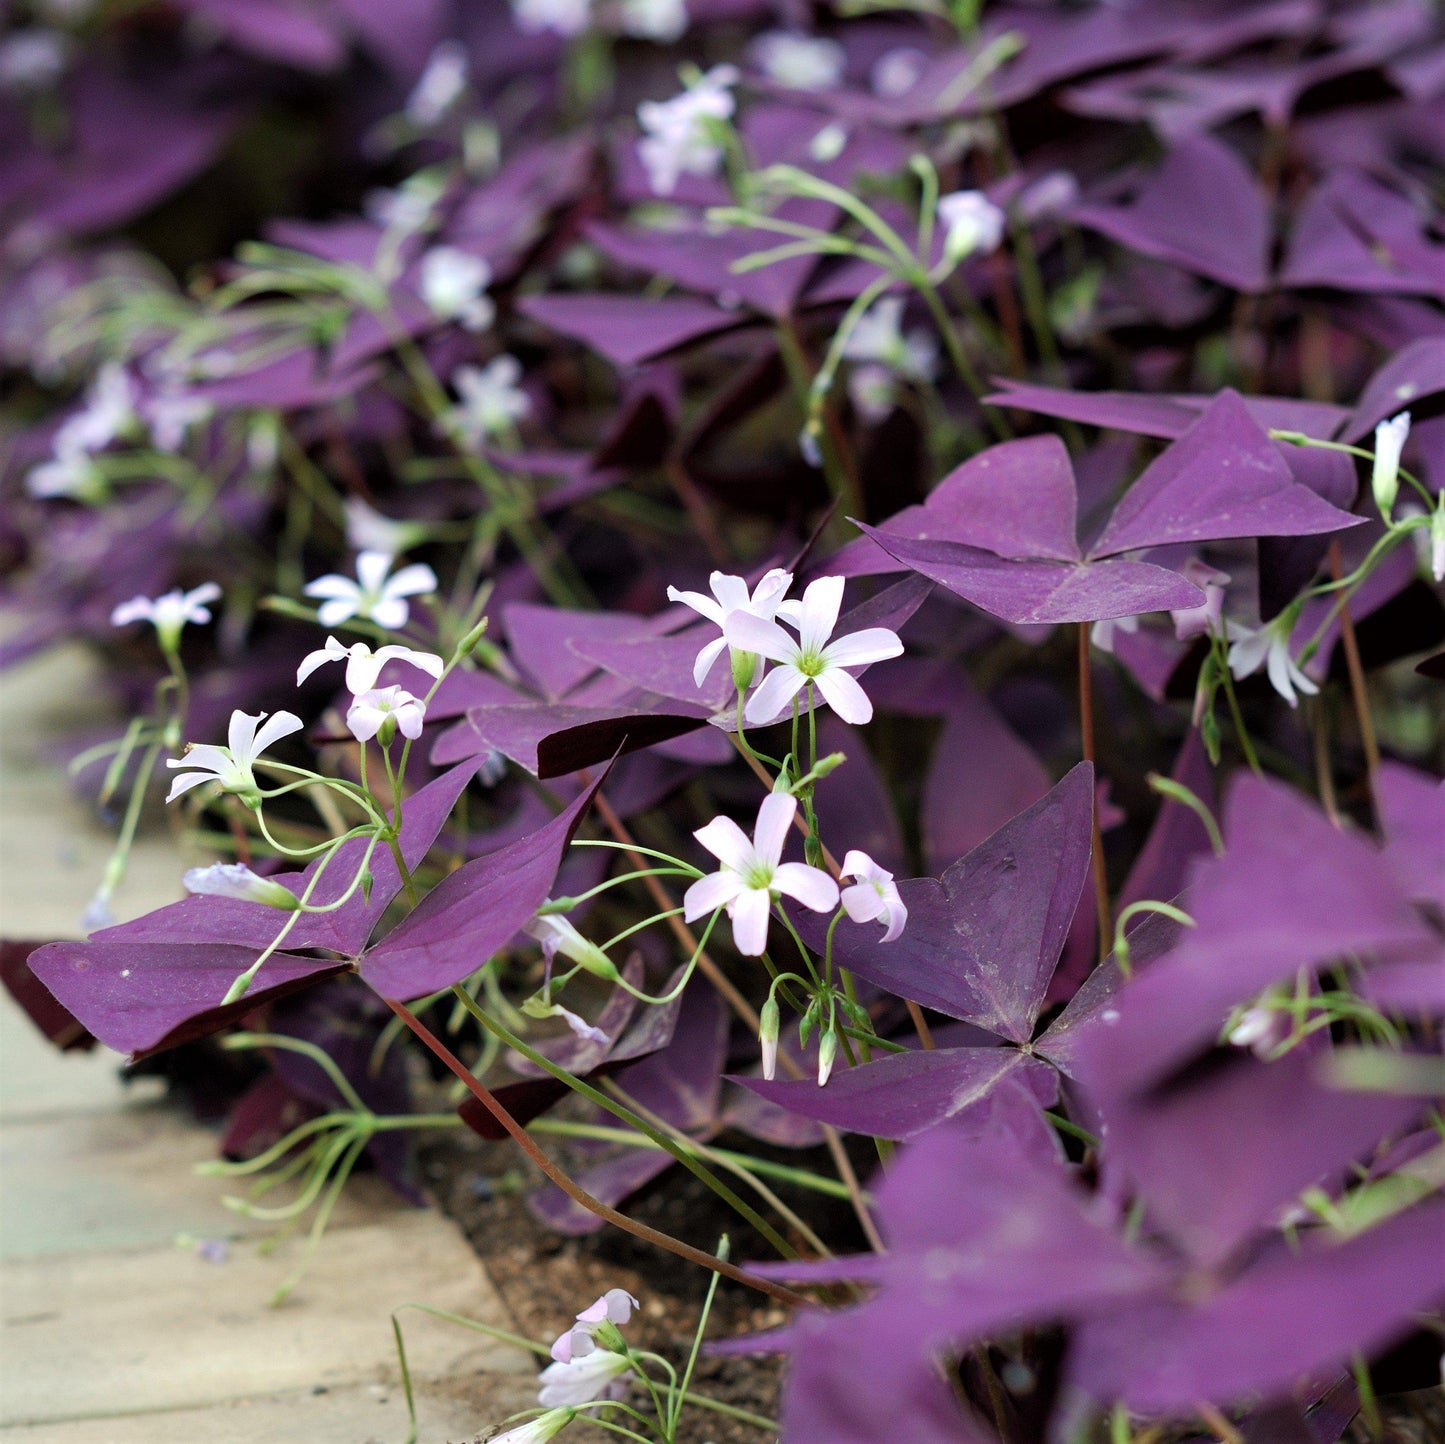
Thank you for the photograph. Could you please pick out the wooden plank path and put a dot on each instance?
(133, 1305)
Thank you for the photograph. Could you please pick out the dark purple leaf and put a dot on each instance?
(1412, 375)
(59, 1025)
(629, 330)
(1412, 817)
(473, 912)
(540, 641)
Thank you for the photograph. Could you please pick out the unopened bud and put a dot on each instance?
(829, 763)
(745, 668)
(1385, 478)
(1437, 543)
(236, 880)
(768, 1022)
(827, 1051)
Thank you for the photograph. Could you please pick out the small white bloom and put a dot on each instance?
(661, 20)
(800, 62)
(387, 710)
(1268, 647)
(1385, 475)
(1437, 542)
(1101, 634)
(374, 594)
(872, 389)
(598, 1375)
(407, 208)
(236, 880)
(109, 412)
(537, 1431)
(557, 935)
(829, 143)
(897, 72)
(367, 530)
(441, 85)
(874, 896)
(561, 17)
(171, 412)
(32, 59)
(1048, 196)
(678, 134)
(98, 913)
(813, 659)
(492, 401)
(70, 473)
(1260, 1029)
(729, 595)
(454, 286)
(1197, 621)
(752, 874)
(363, 666)
(169, 613)
(878, 338)
(232, 765)
(973, 225)
(827, 1052)
(615, 1307)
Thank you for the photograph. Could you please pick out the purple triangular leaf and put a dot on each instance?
(629, 330)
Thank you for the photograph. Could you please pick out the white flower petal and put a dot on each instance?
(843, 694)
(810, 885)
(822, 601)
(727, 842)
(750, 914)
(858, 649)
(753, 634)
(710, 893)
(775, 817)
(281, 724)
(774, 694)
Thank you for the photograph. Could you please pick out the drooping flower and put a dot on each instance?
(1390, 439)
(454, 285)
(537, 1431)
(491, 400)
(800, 62)
(614, 1307)
(752, 875)
(1268, 647)
(367, 530)
(232, 765)
(878, 338)
(678, 134)
(1101, 634)
(236, 880)
(598, 1375)
(374, 594)
(440, 85)
(873, 897)
(661, 20)
(363, 666)
(168, 613)
(385, 710)
(729, 595)
(557, 935)
(812, 658)
(561, 17)
(1197, 621)
(972, 224)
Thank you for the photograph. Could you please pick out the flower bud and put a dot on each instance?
(827, 1051)
(1437, 543)
(768, 1021)
(557, 935)
(745, 668)
(236, 880)
(1385, 478)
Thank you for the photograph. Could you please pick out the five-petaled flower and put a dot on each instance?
(752, 874)
(811, 660)
(492, 400)
(681, 133)
(168, 613)
(232, 764)
(385, 711)
(1268, 647)
(363, 666)
(873, 897)
(729, 595)
(454, 285)
(373, 594)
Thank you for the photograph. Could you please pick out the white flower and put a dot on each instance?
(440, 86)
(615, 1307)
(1269, 647)
(729, 595)
(407, 208)
(170, 412)
(363, 666)
(897, 72)
(663, 20)
(386, 710)
(231, 765)
(537, 1431)
(874, 896)
(454, 285)
(562, 17)
(1260, 1029)
(235, 879)
(1101, 634)
(871, 389)
(827, 1052)
(597, 1375)
(800, 62)
(491, 400)
(679, 134)
(71, 473)
(168, 613)
(374, 594)
(972, 224)
(109, 412)
(33, 59)
(878, 337)
(557, 935)
(751, 875)
(1197, 621)
(367, 530)
(1048, 196)
(1385, 475)
(813, 658)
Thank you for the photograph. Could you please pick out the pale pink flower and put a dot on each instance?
(752, 874)
(873, 897)
(363, 666)
(385, 707)
(729, 595)
(374, 594)
(615, 1306)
